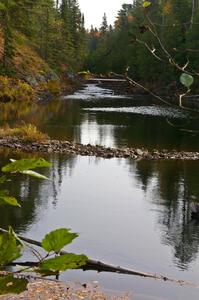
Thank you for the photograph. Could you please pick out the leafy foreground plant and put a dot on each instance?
(48, 262)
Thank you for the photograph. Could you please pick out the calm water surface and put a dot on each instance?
(97, 116)
(128, 213)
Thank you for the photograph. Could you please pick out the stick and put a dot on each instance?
(103, 267)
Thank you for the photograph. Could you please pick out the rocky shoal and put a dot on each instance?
(66, 147)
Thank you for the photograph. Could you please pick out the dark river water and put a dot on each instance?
(129, 213)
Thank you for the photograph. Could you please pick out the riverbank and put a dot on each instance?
(66, 147)
(52, 290)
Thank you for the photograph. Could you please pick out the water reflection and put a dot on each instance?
(132, 213)
(174, 185)
(34, 195)
(167, 188)
(107, 120)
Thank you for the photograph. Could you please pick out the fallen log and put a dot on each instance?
(99, 266)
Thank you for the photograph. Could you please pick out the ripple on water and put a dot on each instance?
(93, 91)
(155, 111)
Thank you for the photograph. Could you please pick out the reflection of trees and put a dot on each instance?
(175, 185)
(145, 172)
(34, 194)
(10, 111)
(65, 119)
(57, 118)
(143, 131)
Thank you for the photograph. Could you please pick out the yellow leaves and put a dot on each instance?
(15, 90)
(54, 87)
(28, 132)
(167, 8)
(130, 19)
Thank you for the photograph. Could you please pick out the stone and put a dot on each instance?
(139, 152)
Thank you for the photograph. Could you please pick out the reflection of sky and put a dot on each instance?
(92, 133)
(119, 221)
(94, 10)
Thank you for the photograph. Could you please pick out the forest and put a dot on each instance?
(99, 133)
(54, 31)
(155, 42)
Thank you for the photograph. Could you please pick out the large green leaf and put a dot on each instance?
(9, 248)
(19, 242)
(8, 200)
(57, 239)
(64, 262)
(31, 173)
(186, 79)
(11, 285)
(146, 4)
(25, 164)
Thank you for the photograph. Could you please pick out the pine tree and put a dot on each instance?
(6, 9)
(104, 26)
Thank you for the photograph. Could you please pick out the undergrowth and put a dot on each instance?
(28, 132)
(12, 90)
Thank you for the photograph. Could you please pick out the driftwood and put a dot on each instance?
(102, 267)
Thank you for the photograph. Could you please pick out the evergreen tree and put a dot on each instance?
(6, 9)
(104, 26)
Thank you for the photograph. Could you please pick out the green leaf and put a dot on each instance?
(8, 200)
(186, 79)
(64, 262)
(34, 174)
(9, 248)
(57, 239)
(18, 240)
(31, 173)
(146, 4)
(11, 285)
(25, 164)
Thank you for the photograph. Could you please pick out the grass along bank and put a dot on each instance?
(29, 139)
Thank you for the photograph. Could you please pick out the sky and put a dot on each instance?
(94, 10)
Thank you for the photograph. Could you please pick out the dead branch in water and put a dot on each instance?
(99, 266)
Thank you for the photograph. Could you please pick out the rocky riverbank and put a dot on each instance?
(55, 290)
(66, 147)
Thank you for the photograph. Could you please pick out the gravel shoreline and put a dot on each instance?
(51, 290)
(66, 147)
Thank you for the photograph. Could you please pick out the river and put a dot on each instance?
(129, 213)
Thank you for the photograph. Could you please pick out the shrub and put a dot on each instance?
(54, 87)
(28, 132)
(15, 90)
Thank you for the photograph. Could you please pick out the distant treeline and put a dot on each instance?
(154, 41)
